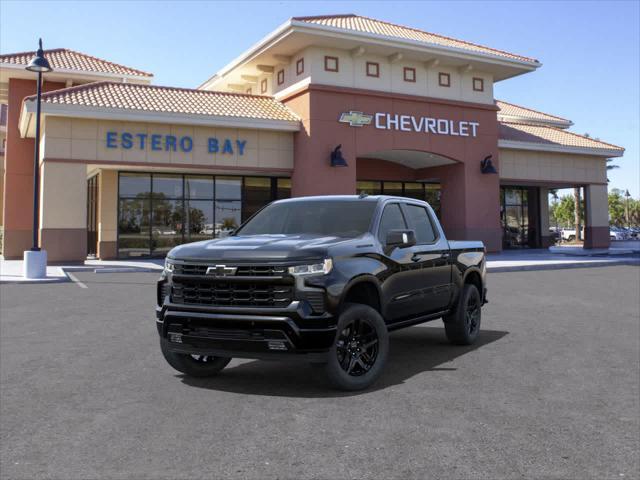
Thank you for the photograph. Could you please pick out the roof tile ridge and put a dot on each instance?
(147, 74)
(449, 38)
(533, 110)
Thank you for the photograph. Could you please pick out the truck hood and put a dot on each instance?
(257, 248)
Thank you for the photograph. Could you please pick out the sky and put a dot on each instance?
(590, 51)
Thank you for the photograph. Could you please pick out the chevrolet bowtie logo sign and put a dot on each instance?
(355, 119)
(221, 270)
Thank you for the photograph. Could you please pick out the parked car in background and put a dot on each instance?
(569, 234)
(618, 234)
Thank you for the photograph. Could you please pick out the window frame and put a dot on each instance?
(280, 76)
(443, 75)
(327, 59)
(300, 66)
(263, 85)
(480, 82)
(431, 222)
(377, 67)
(407, 70)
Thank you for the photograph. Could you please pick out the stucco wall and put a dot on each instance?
(551, 167)
(85, 140)
(352, 73)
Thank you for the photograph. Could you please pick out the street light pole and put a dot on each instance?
(35, 260)
(36, 171)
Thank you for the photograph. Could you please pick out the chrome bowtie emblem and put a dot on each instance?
(221, 270)
(355, 119)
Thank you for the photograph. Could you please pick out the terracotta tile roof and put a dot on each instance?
(152, 98)
(513, 110)
(65, 59)
(370, 25)
(517, 132)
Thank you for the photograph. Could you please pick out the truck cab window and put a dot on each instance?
(418, 220)
(391, 219)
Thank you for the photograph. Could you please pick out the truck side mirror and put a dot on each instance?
(401, 238)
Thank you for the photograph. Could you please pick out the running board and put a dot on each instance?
(417, 320)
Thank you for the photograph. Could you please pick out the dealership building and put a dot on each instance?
(338, 104)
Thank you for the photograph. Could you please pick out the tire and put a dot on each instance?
(360, 349)
(463, 325)
(571, 238)
(193, 365)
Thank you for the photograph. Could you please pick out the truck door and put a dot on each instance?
(431, 257)
(400, 287)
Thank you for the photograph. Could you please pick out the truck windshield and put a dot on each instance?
(349, 218)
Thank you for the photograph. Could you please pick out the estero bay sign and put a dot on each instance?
(411, 123)
(171, 143)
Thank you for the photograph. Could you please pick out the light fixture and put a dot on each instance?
(337, 160)
(486, 166)
(39, 62)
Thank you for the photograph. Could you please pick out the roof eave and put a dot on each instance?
(532, 121)
(88, 73)
(120, 114)
(293, 25)
(543, 147)
(466, 54)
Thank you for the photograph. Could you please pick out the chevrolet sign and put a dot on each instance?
(410, 123)
(222, 271)
(355, 119)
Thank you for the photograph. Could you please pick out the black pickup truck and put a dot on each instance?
(321, 279)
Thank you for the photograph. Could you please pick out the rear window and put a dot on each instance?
(418, 220)
(349, 218)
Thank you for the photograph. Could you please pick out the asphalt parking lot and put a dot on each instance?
(551, 390)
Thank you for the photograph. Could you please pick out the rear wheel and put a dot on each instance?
(193, 365)
(360, 349)
(463, 325)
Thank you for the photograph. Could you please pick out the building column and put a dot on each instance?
(469, 203)
(18, 173)
(312, 170)
(596, 216)
(546, 240)
(63, 211)
(107, 214)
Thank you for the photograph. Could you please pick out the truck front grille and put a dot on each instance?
(229, 294)
(243, 270)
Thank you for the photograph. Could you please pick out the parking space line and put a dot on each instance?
(75, 280)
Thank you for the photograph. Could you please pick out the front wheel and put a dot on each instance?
(193, 365)
(360, 349)
(462, 326)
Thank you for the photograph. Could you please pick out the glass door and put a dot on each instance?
(92, 216)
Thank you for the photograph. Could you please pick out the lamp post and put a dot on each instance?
(35, 260)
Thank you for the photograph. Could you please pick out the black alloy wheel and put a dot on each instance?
(357, 347)
(462, 326)
(360, 349)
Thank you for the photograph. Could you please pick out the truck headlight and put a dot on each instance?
(168, 265)
(314, 269)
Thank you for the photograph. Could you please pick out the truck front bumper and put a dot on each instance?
(294, 332)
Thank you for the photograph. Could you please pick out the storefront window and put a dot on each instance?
(370, 188)
(414, 190)
(392, 188)
(133, 226)
(519, 219)
(256, 194)
(159, 211)
(283, 188)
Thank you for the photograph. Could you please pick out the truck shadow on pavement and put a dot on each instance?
(412, 351)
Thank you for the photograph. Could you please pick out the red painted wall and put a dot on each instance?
(470, 200)
(18, 178)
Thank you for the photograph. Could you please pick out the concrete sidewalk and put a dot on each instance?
(11, 270)
(507, 261)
